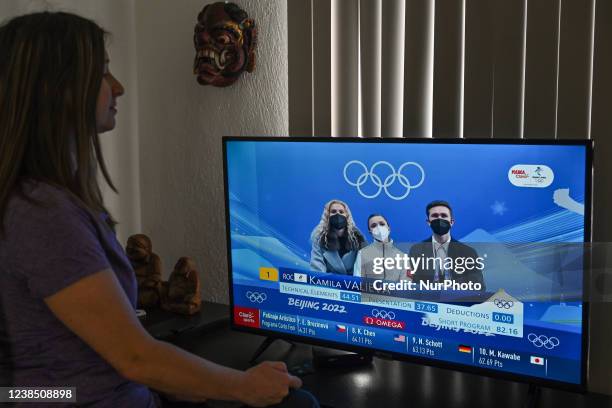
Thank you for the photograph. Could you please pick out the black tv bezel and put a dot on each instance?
(538, 381)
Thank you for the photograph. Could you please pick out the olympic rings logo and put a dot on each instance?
(503, 304)
(256, 297)
(389, 180)
(383, 314)
(543, 341)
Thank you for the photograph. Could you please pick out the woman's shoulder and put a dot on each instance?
(359, 235)
(315, 235)
(34, 200)
(44, 191)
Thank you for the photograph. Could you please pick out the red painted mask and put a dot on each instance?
(225, 40)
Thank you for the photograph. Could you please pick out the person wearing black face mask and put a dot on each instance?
(442, 246)
(335, 240)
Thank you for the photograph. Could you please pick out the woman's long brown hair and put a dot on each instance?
(51, 68)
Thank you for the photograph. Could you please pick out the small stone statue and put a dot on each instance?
(148, 269)
(183, 288)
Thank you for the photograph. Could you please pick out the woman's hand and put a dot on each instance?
(266, 384)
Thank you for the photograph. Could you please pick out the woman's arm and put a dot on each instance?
(357, 265)
(317, 261)
(96, 309)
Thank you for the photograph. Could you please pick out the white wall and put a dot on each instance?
(120, 146)
(181, 124)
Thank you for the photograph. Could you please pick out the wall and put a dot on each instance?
(181, 124)
(120, 146)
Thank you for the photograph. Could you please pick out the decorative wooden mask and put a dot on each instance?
(225, 40)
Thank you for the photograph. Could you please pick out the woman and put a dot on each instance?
(382, 247)
(336, 240)
(67, 290)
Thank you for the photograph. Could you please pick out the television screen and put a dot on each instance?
(457, 253)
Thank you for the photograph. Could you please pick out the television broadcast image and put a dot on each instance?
(461, 254)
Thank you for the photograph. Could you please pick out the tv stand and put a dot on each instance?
(533, 396)
(263, 346)
(331, 358)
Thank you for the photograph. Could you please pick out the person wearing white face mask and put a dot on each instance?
(381, 247)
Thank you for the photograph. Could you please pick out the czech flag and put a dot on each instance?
(340, 328)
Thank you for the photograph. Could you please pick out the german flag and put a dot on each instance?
(465, 349)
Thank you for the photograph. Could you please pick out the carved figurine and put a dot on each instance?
(148, 269)
(183, 288)
(225, 40)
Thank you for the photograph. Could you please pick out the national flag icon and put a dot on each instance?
(300, 277)
(340, 328)
(465, 349)
(536, 360)
(400, 338)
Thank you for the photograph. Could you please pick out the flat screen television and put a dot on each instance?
(464, 254)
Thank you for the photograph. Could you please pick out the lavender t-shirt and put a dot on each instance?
(43, 250)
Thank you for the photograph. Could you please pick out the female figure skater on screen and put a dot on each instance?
(381, 248)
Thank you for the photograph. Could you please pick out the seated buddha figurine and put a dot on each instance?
(183, 288)
(148, 268)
